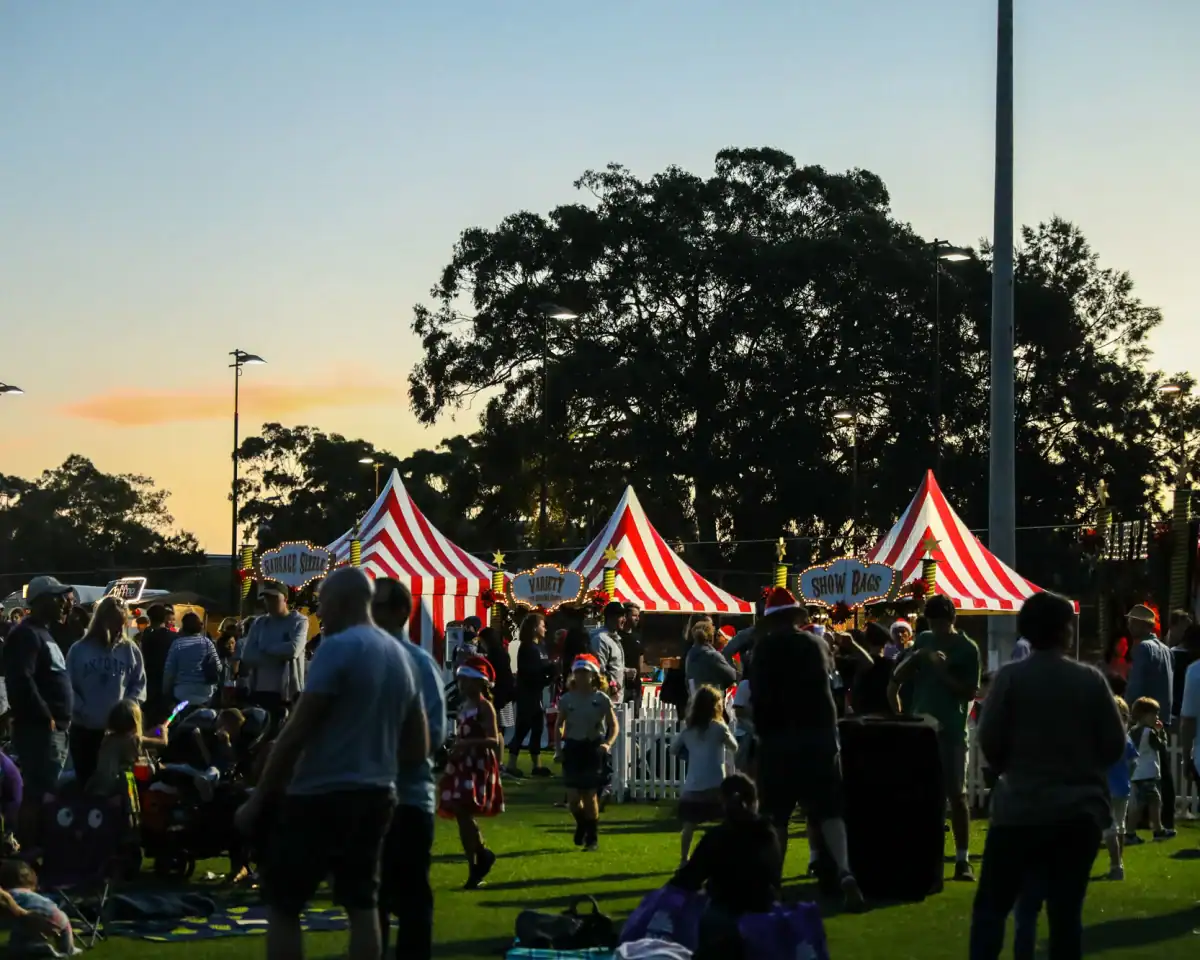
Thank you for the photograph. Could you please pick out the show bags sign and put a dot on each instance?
(547, 586)
(847, 580)
(294, 564)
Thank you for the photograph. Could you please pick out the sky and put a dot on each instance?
(288, 177)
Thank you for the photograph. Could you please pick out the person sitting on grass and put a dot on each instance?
(739, 863)
(53, 933)
(585, 714)
(706, 739)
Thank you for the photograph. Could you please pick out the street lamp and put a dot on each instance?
(548, 312)
(942, 250)
(10, 388)
(1177, 391)
(850, 418)
(372, 462)
(240, 359)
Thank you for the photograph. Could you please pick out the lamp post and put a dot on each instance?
(10, 388)
(548, 312)
(850, 418)
(942, 250)
(372, 462)
(240, 359)
(1177, 391)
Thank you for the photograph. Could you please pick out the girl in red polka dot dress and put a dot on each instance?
(470, 786)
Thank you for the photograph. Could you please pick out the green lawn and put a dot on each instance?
(1154, 909)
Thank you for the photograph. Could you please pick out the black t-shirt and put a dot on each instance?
(789, 684)
(869, 692)
(35, 671)
(631, 643)
(156, 643)
(740, 864)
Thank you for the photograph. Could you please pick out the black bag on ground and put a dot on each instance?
(895, 805)
(569, 930)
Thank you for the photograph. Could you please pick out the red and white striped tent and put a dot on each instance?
(967, 572)
(649, 572)
(447, 583)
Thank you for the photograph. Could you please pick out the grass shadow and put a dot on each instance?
(533, 883)
(558, 904)
(1189, 854)
(1127, 932)
(458, 857)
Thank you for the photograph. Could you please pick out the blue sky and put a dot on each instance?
(288, 177)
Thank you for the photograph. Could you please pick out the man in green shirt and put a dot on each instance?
(943, 668)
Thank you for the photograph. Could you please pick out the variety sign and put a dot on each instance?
(547, 586)
(294, 564)
(847, 580)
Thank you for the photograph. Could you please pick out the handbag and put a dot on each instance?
(669, 913)
(792, 932)
(569, 930)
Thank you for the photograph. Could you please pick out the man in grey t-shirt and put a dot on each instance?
(606, 645)
(331, 774)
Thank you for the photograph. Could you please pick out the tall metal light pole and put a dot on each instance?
(240, 359)
(548, 312)
(1002, 483)
(942, 250)
(850, 417)
(372, 462)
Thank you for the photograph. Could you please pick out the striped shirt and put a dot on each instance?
(191, 670)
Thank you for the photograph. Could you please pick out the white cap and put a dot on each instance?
(45, 586)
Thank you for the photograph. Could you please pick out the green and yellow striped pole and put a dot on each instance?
(498, 591)
(929, 575)
(247, 560)
(356, 552)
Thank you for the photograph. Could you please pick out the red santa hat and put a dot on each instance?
(729, 631)
(477, 668)
(779, 600)
(586, 661)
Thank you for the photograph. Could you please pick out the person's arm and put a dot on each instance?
(734, 646)
(251, 651)
(612, 673)
(994, 723)
(1189, 711)
(170, 668)
(21, 652)
(612, 726)
(1139, 674)
(288, 644)
(854, 652)
(676, 745)
(160, 743)
(728, 737)
(905, 670)
(961, 679)
(414, 735)
(434, 700)
(723, 670)
(135, 683)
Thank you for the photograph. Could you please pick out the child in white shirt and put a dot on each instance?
(706, 739)
(1147, 736)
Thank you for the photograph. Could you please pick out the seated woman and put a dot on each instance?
(739, 864)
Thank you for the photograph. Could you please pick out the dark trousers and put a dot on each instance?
(84, 745)
(274, 705)
(531, 721)
(1167, 787)
(1054, 858)
(406, 892)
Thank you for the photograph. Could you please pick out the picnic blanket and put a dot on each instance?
(232, 921)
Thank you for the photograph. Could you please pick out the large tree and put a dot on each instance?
(76, 520)
(725, 320)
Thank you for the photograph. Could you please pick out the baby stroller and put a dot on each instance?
(187, 808)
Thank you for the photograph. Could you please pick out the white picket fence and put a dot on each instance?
(644, 769)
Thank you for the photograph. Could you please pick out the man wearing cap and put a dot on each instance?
(274, 652)
(39, 692)
(606, 645)
(1151, 674)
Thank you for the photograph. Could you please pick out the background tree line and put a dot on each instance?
(722, 322)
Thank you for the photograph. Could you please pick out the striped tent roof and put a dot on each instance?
(967, 572)
(650, 573)
(398, 542)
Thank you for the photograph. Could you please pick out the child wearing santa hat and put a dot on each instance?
(587, 729)
(470, 786)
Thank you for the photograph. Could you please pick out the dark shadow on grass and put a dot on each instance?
(472, 949)
(1189, 854)
(636, 826)
(562, 881)
(1126, 932)
(558, 904)
(458, 857)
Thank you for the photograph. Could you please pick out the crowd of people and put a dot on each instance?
(361, 760)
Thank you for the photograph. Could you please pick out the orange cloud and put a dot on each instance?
(142, 408)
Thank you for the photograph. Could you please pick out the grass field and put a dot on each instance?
(1152, 913)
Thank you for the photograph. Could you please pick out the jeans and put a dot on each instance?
(531, 721)
(406, 892)
(85, 750)
(1015, 861)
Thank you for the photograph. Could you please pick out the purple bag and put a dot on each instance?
(793, 932)
(668, 913)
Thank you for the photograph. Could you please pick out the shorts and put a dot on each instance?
(339, 834)
(703, 806)
(952, 749)
(1146, 792)
(583, 764)
(407, 858)
(797, 770)
(41, 755)
(1120, 807)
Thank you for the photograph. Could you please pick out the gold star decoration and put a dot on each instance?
(780, 550)
(930, 544)
(610, 554)
(498, 559)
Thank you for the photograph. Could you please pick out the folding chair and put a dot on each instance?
(82, 853)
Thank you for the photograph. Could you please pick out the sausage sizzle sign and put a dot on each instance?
(847, 580)
(295, 564)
